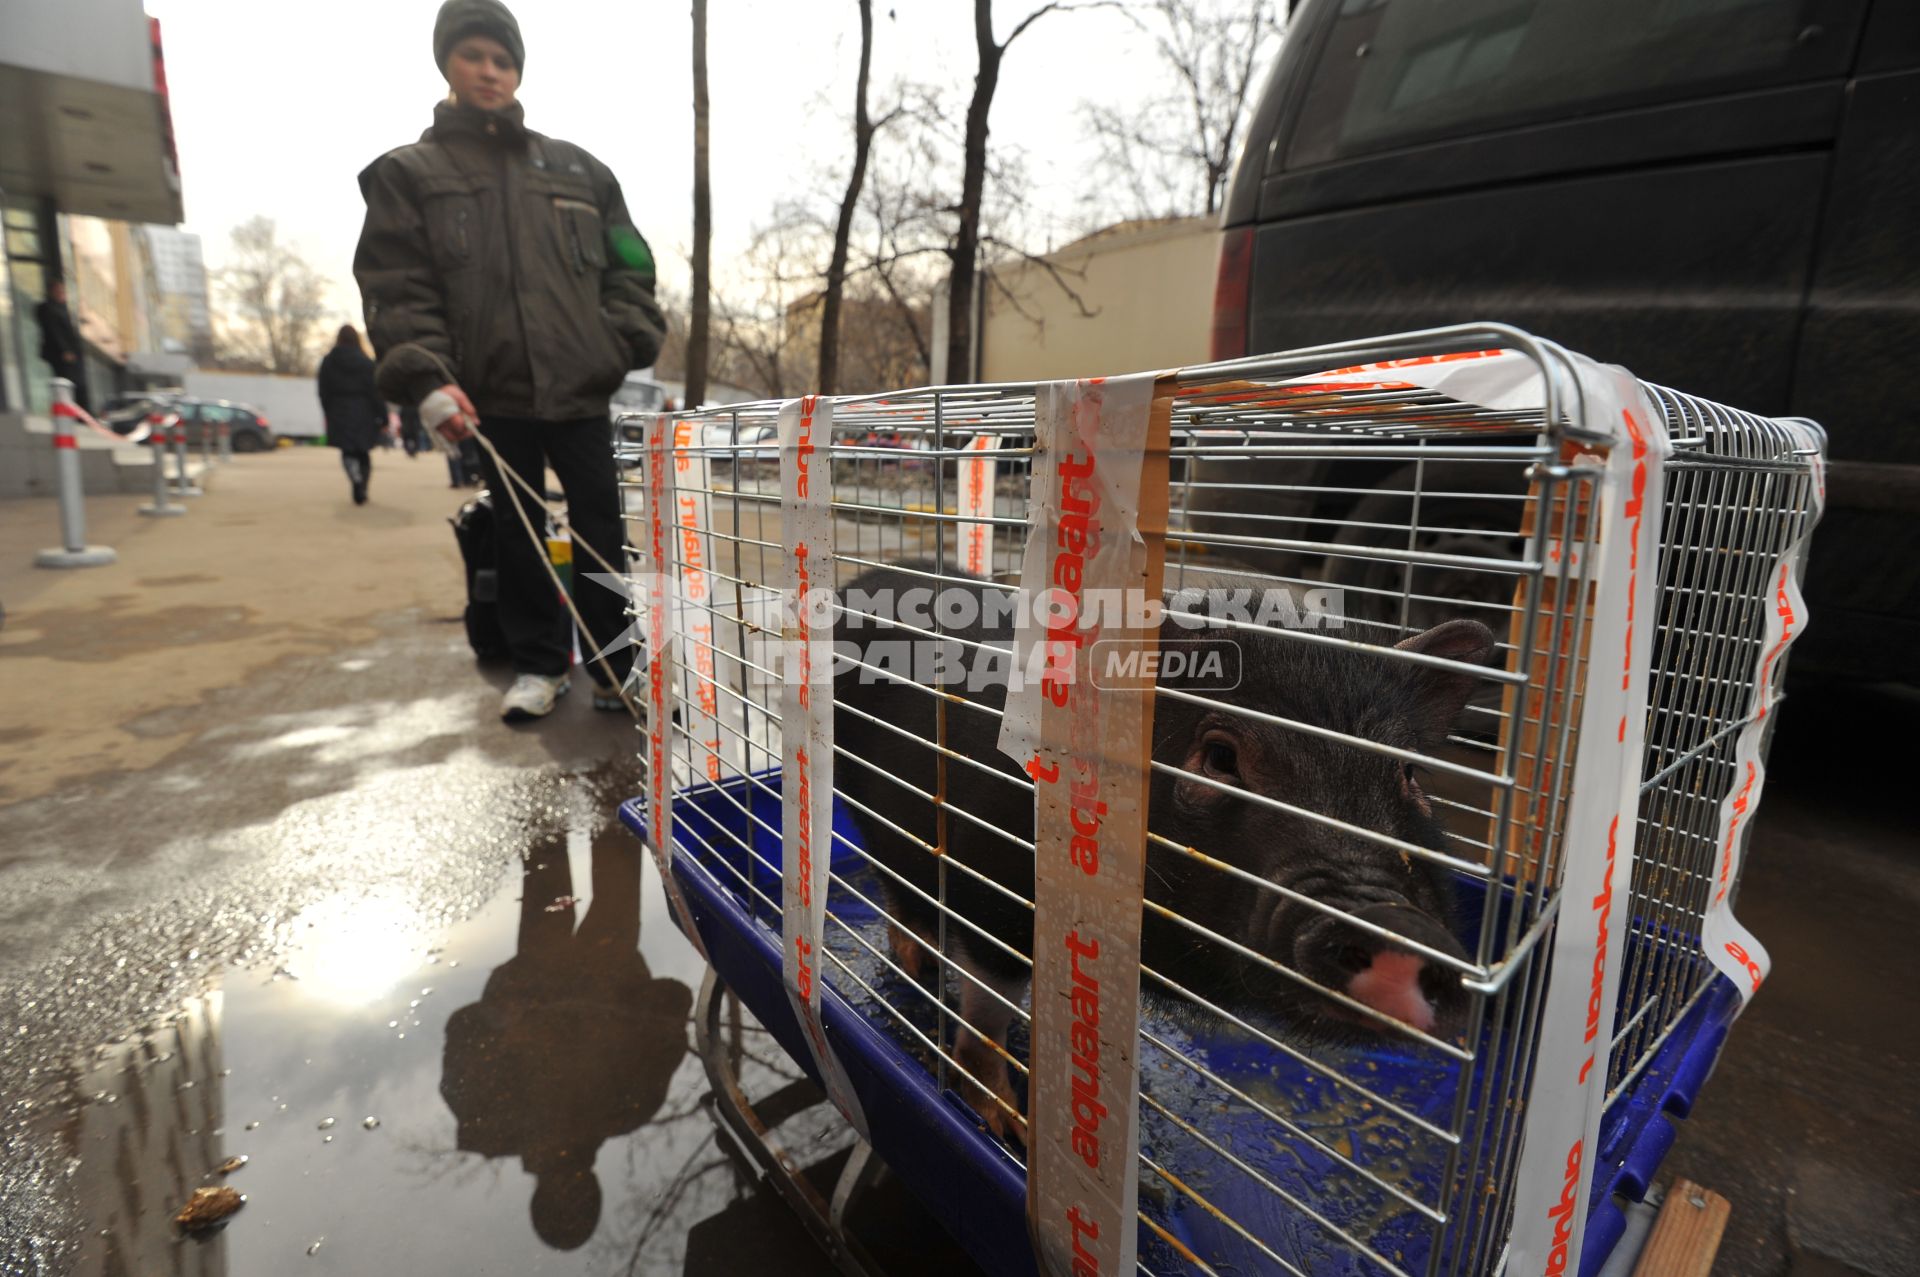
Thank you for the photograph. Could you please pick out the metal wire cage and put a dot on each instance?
(1364, 850)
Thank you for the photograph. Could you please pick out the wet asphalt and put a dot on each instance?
(319, 909)
(342, 923)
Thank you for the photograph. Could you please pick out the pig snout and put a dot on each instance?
(1379, 974)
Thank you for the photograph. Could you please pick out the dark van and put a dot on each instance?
(1721, 195)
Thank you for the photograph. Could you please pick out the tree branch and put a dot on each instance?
(1054, 272)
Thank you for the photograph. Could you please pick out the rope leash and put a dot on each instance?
(540, 545)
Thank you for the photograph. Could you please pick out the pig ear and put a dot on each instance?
(1442, 694)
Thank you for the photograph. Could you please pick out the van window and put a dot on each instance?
(1395, 72)
(640, 396)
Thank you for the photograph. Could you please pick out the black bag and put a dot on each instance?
(473, 529)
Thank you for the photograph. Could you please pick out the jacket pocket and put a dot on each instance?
(453, 229)
(581, 232)
(618, 358)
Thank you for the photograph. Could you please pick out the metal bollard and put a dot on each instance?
(74, 551)
(162, 506)
(226, 442)
(182, 486)
(206, 447)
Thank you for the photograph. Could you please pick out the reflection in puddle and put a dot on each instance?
(151, 1135)
(352, 947)
(520, 1099)
(573, 1040)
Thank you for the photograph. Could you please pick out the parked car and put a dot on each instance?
(728, 443)
(136, 414)
(637, 394)
(1719, 196)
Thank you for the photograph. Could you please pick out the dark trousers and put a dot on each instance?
(75, 371)
(358, 463)
(581, 454)
(463, 466)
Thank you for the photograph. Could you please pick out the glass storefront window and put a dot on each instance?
(28, 380)
(13, 389)
(29, 290)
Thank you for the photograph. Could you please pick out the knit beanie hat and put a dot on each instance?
(461, 18)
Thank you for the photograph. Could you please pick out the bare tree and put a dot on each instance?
(760, 316)
(700, 308)
(866, 255)
(829, 367)
(1175, 156)
(973, 177)
(907, 240)
(671, 362)
(901, 233)
(273, 302)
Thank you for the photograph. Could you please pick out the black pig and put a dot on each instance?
(889, 767)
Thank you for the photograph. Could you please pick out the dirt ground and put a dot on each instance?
(98, 666)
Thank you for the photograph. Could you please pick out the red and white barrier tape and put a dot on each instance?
(77, 413)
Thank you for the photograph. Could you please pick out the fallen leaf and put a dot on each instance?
(208, 1207)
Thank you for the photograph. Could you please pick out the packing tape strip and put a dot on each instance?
(693, 487)
(1731, 948)
(1098, 527)
(658, 581)
(1576, 1026)
(979, 471)
(806, 725)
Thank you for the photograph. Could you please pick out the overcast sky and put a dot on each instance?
(278, 107)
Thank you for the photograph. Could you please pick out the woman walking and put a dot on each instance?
(500, 270)
(354, 411)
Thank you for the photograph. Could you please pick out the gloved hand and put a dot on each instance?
(450, 415)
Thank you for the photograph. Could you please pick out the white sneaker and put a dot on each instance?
(532, 696)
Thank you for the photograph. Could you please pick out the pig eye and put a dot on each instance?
(1219, 757)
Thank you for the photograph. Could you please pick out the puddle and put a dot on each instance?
(515, 1094)
(409, 968)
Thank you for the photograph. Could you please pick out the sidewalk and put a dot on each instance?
(274, 563)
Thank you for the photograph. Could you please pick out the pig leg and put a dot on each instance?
(979, 1048)
(909, 944)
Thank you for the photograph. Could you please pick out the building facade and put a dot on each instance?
(87, 162)
(180, 315)
(1128, 298)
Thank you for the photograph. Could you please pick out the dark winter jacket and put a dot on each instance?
(351, 403)
(59, 339)
(504, 261)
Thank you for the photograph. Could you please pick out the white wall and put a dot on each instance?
(1150, 289)
(291, 404)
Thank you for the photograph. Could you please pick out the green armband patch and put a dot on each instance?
(630, 250)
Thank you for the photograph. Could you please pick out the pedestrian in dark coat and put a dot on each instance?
(413, 435)
(60, 342)
(351, 403)
(502, 273)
